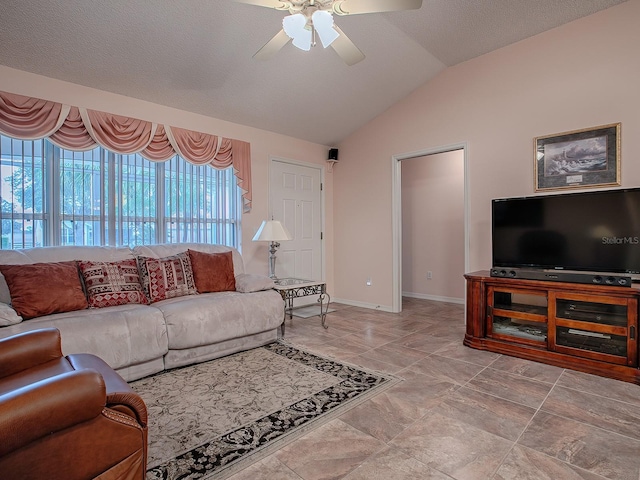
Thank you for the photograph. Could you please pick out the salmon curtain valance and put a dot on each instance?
(80, 129)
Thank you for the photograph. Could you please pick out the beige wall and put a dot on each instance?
(580, 75)
(263, 144)
(433, 226)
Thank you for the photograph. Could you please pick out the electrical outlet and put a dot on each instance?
(369, 282)
(429, 275)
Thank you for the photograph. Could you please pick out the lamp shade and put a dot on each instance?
(272, 231)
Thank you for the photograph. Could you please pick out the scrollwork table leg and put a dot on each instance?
(324, 308)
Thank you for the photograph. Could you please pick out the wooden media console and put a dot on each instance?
(590, 328)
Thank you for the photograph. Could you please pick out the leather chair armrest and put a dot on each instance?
(26, 350)
(120, 396)
(49, 406)
(130, 403)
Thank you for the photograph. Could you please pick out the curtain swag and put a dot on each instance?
(80, 129)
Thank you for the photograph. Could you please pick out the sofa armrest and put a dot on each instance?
(26, 350)
(49, 406)
(250, 282)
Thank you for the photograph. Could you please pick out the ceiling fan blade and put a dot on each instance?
(354, 7)
(277, 4)
(346, 49)
(272, 46)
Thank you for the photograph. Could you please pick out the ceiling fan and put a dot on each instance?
(309, 18)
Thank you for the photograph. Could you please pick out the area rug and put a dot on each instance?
(212, 419)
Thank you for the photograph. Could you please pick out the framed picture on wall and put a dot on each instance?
(578, 159)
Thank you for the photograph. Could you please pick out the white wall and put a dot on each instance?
(433, 226)
(263, 144)
(583, 74)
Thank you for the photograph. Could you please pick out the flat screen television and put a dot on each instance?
(588, 231)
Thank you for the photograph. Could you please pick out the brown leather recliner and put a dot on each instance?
(66, 418)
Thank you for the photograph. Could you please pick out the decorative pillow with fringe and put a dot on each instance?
(167, 277)
(112, 283)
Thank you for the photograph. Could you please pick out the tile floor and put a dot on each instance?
(459, 413)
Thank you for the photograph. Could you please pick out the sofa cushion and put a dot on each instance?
(122, 336)
(251, 282)
(215, 317)
(8, 315)
(213, 271)
(44, 288)
(10, 257)
(167, 277)
(112, 283)
(66, 253)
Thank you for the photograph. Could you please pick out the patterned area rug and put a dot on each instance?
(212, 419)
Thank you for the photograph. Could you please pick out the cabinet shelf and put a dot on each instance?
(522, 308)
(591, 328)
(528, 316)
(608, 344)
(517, 330)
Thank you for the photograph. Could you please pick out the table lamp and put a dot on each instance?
(272, 231)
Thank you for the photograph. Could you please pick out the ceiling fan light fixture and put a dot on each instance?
(323, 24)
(303, 41)
(295, 28)
(310, 16)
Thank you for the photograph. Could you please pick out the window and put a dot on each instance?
(52, 196)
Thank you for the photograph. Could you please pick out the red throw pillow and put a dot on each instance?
(213, 272)
(41, 289)
(167, 277)
(112, 283)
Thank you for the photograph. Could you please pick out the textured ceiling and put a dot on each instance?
(196, 55)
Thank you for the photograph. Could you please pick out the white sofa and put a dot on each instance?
(138, 340)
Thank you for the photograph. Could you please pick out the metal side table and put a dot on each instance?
(290, 288)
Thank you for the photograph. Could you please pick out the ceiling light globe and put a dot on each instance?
(295, 28)
(323, 23)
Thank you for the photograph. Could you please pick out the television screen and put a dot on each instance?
(593, 231)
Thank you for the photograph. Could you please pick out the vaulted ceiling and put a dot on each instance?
(196, 55)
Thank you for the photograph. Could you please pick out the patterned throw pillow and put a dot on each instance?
(167, 277)
(112, 283)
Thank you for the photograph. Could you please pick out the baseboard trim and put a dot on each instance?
(389, 309)
(435, 298)
(372, 306)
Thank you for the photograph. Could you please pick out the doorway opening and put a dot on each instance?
(414, 278)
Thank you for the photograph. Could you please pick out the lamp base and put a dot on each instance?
(272, 260)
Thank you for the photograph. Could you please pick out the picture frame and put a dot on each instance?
(586, 158)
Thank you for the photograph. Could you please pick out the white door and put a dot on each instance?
(296, 200)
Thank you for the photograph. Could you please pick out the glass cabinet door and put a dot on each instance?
(518, 316)
(593, 327)
(593, 312)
